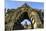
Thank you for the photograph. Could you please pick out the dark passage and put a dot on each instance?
(17, 25)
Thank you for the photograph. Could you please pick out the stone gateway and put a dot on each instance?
(22, 18)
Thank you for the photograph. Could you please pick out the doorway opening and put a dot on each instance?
(18, 25)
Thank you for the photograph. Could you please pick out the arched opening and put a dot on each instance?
(18, 25)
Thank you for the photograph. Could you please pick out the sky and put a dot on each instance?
(16, 4)
(24, 22)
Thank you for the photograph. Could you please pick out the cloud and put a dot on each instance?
(24, 22)
(29, 0)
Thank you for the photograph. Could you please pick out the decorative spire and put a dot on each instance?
(25, 4)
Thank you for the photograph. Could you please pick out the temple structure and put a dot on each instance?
(14, 18)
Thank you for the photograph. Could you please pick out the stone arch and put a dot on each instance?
(36, 19)
(22, 16)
